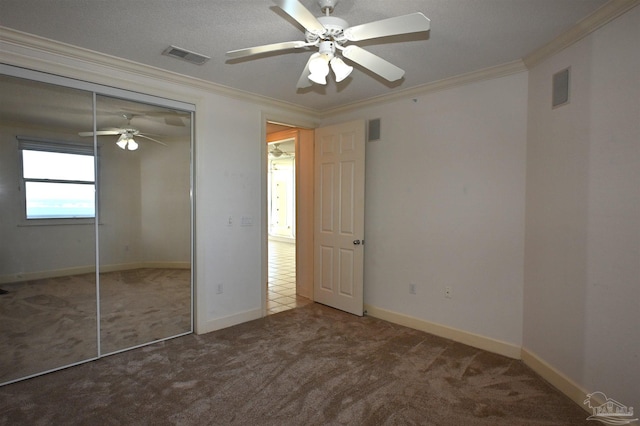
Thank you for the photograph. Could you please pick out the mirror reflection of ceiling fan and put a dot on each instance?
(126, 140)
(276, 152)
(330, 35)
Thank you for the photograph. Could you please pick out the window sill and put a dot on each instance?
(56, 222)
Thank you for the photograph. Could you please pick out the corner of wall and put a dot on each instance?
(555, 377)
(481, 342)
(207, 326)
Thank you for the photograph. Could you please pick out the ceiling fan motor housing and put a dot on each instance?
(334, 29)
(327, 48)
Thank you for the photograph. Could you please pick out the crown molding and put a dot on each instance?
(502, 70)
(25, 50)
(605, 14)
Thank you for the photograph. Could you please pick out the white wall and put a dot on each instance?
(445, 206)
(165, 219)
(119, 191)
(228, 167)
(582, 269)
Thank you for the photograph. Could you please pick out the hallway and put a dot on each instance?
(282, 278)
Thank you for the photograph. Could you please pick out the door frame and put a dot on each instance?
(300, 123)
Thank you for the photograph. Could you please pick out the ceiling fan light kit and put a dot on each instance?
(126, 141)
(330, 34)
(340, 69)
(319, 68)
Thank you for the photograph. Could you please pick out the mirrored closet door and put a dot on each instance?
(95, 225)
(145, 223)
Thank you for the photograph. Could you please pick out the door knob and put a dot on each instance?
(356, 242)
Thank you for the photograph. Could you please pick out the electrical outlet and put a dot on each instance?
(412, 288)
(220, 288)
(448, 292)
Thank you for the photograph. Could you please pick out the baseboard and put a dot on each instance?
(167, 265)
(224, 322)
(471, 339)
(140, 265)
(555, 377)
(91, 269)
(41, 275)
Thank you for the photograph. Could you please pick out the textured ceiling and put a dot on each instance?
(465, 36)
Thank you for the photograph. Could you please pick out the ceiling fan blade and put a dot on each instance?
(101, 133)
(140, 135)
(405, 24)
(174, 121)
(304, 81)
(170, 117)
(301, 14)
(373, 63)
(241, 53)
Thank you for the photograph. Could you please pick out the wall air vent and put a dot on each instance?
(185, 55)
(373, 130)
(560, 88)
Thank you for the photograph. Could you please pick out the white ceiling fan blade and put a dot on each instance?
(301, 14)
(241, 53)
(174, 121)
(101, 133)
(304, 81)
(373, 63)
(406, 24)
(140, 135)
(170, 117)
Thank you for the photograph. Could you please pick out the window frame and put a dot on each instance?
(28, 143)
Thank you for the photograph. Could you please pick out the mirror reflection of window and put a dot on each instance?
(58, 184)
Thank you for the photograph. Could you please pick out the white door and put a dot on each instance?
(339, 216)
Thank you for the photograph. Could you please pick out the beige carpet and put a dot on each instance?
(49, 323)
(307, 366)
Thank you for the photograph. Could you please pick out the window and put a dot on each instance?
(58, 180)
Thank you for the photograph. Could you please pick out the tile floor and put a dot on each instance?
(282, 278)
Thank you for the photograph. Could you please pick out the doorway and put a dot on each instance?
(285, 285)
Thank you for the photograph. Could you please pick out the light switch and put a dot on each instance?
(247, 221)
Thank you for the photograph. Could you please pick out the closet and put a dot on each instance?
(96, 221)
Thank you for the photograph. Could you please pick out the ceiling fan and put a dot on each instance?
(276, 152)
(125, 141)
(330, 35)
